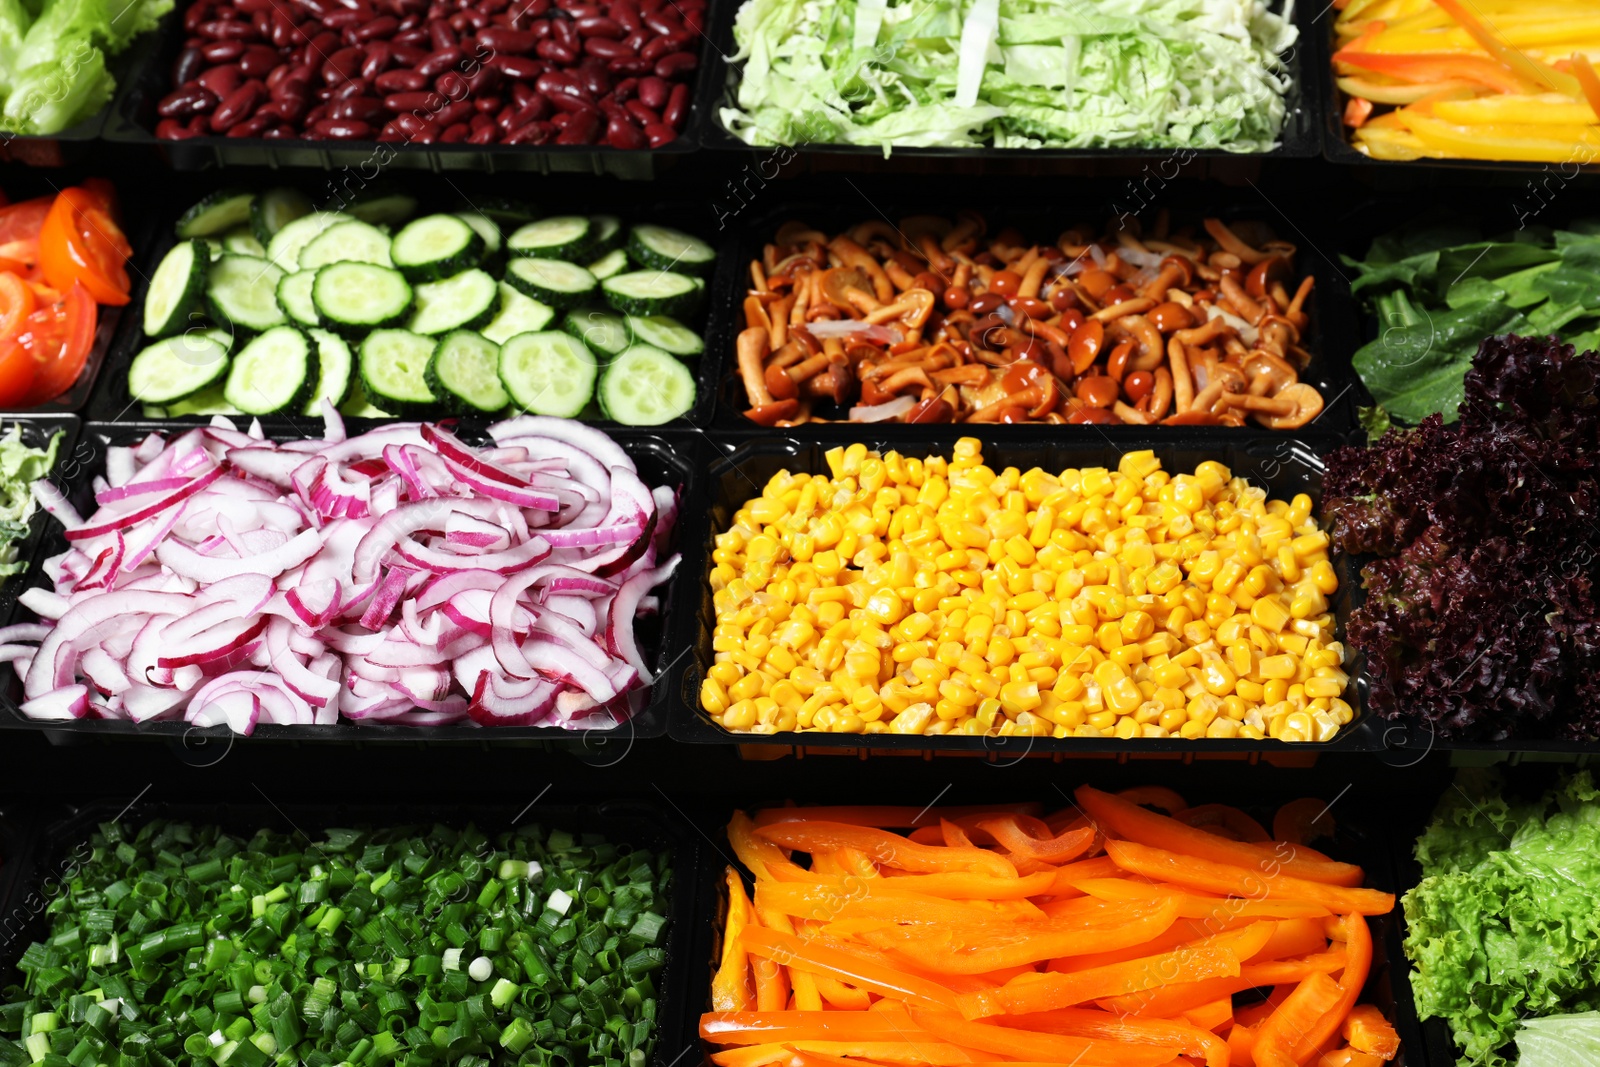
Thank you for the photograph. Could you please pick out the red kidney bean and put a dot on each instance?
(451, 85)
(639, 38)
(450, 114)
(399, 81)
(620, 133)
(221, 80)
(560, 119)
(517, 66)
(194, 16)
(380, 28)
(296, 80)
(362, 108)
(677, 107)
(189, 100)
(350, 130)
(532, 133)
(555, 52)
(521, 94)
(581, 130)
(557, 82)
(222, 51)
(261, 21)
(439, 62)
(653, 92)
(406, 55)
(630, 66)
(458, 23)
(252, 128)
(275, 78)
(644, 115)
(285, 32)
(475, 20)
(659, 135)
(663, 22)
(342, 65)
(379, 56)
(600, 26)
(503, 120)
(487, 105)
(606, 48)
(655, 48)
(564, 33)
(318, 47)
(442, 36)
(626, 89)
(500, 40)
(253, 6)
(480, 122)
(227, 30)
(237, 106)
(258, 61)
(354, 87)
(200, 124)
(535, 110)
(190, 62)
(456, 134)
(427, 135)
(173, 130)
(675, 64)
(410, 22)
(403, 102)
(694, 21)
(338, 20)
(571, 105)
(316, 114)
(416, 37)
(279, 133)
(487, 135)
(540, 30)
(487, 79)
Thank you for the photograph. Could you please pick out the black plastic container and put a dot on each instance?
(1300, 137)
(1360, 840)
(111, 402)
(36, 433)
(1284, 466)
(59, 837)
(661, 461)
(133, 121)
(1331, 335)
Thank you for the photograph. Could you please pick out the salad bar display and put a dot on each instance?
(466, 464)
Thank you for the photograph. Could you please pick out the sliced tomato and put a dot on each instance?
(58, 338)
(21, 222)
(79, 243)
(16, 374)
(16, 304)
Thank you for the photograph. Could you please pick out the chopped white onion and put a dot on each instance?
(889, 409)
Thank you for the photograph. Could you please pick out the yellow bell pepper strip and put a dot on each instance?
(1542, 109)
(1514, 59)
(1187, 1038)
(887, 816)
(761, 857)
(1291, 1024)
(1029, 1045)
(1514, 143)
(1242, 881)
(820, 958)
(730, 988)
(891, 850)
(1129, 822)
(1358, 964)
(1368, 1031)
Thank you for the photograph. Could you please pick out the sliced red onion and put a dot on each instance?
(889, 409)
(55, 502)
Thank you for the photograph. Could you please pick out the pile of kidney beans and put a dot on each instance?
(568, 72)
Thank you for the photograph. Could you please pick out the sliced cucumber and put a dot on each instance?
(553, 281)
(518, 314)
(609, 265)
(653, 292)
(381, 205)
(243, 241)
(335, 370)
(667, 334)
(243, 291)
(548, 373)
(394, 366)
(346, 242)
(275, 209)
(437, 246)
(605, 234)
(294, 297)
(486, 228)
(273, 373)
(218, 212)
(354, 297)
(176, 367)
(645, 386)
(212, 400)
(175, 288)
(558, 237)
(664, 248)
(358, 405)
(464, 373)
(507, 211)
(463, 302)
(602, 330)
(284, 248)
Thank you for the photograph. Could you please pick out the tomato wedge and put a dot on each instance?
(16, 304)
(57, 339)
(80, 244)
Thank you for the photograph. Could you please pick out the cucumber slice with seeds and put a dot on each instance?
(558, 237)
(464, 373)
(507, 212)
(463, 302)
(667, 334)
(352, 298)
(602, 330)
(645, 386)
(243, 291)
(294, 297)
(609, 265)
(346, 242)
(216, 213)
(664, 248)
(552, 281)
(394, 365)
(605, 234)
(175, 288)
(275, 209)
(437, 246)
(274, 372)
(243, 242)
(212, 400)
(519, 313)
(382, 205)
(285, 246)
(653, 292)
(486, 228)
(335, 370)
(177, 367)
(548, 373)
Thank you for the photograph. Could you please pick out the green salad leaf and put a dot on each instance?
(1053, 73)
(1503, 925)
(53, 60)
(1560, 1041)
(20, 467)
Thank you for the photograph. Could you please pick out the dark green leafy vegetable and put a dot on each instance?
(416, 946)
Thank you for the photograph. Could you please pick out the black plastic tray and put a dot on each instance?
(1361, 840)
(1336, 147)
(1331, 336)
(57, 837)
(1284, 465)
(132, 120)
(111, 403)
(661, 462)
(1300, 137)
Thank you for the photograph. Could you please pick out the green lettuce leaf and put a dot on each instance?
(1560, 1041)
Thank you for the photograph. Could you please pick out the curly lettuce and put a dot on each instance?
(53, 62)
(1199, 74)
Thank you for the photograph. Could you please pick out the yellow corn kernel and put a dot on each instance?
(1241, 659)
(713, 697)
(781, 659)
(1217, 678)
(1323, 687)
(1307, 602)
(1283, 666)
(1137, 625)
(1017, 697)
(1324, 578)
(1269, 614)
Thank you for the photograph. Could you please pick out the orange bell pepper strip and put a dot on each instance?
(886, 816)
(1009, 832)
(772, 981)
(1029, 1045)
(762, 1027)
(1278, 972)
(1234, 880)
(1293, 937)
(953, 836)
(1099, 867)
(1213, 1015)
(841, 996)
(1357, 111)
(1302, 821)
(1224, 820)
(1588, 81)
(1022, 946)
(803, 983)
(1426, 68)
(730, 987)
(1358, 964)
(1188, 1039)
(1120, 819)
(846, 966)
(1180, 997)
(1291, 1024)
(885, 848)
(927, 835)
(1242, 1046)
(1254, 1015)
(1349, 1057)
(1155, 796)
(1368, 1031)
(1192, 906)
(800, 1057)
(1181, 932)
(934, 1053)
(761, 857)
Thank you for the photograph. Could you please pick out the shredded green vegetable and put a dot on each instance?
(179, 944)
